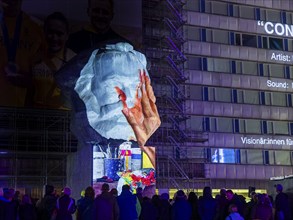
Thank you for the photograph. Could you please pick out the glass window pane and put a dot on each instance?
(282, 158)
(224, 125)
(278, 99)
(195, 92)
(254, 156)
(222, 95)
(249, 40)
(276, 43)
(221, 65)
(280, 127)
(276, 70)
(252, 126)
(192, 33)
(243, 156)
(251, 97)
(195, 123)
(193, 63)
(246, 12)
(273, 16)
(221, 37)
(249, 68)
(192, 5)
(219, 8)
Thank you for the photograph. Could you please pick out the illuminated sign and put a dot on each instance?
(277, 28)
(266, 141)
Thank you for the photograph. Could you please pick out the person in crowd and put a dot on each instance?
(128, 204)
(22, 46)
(65, 205)
(148, 210)
(263, 209)
(234, 215)
(181, 209)
(114, 192)
(85, 205)
(251, 205)
(46, 206)
(165, 211)
(207, 205)
(8, 209)
(221, 204)
(47, 94)
(193, 201)
(282, 208)
(236, 200)
(105, 205)
(27, 210)
(99, 31)
(138, 194)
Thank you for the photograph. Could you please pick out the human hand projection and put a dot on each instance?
(143, 117)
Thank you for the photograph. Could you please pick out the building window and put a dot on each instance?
(218, 65)
(251, 97)
(220, 8)
(193, 5)
(196, 92)
(223, 155)
(249, 40)
(277, 70)
(266, 157)
(221, 37)
(194, 63)
(240, 96)
(224, 125)
(247, 12)
(280, 127)
(249, 68)
(279, 99)
(195, 123)
(282, 158)
(254, 156)
(252, 126)
(273, 16)
(223, 94)
(192, 33)
(276, 43)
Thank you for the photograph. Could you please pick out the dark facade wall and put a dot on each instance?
(79, 170)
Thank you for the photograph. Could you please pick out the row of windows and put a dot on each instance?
(238, 39)
(239, 67)
(249, 156)
(241, 126)
(240, 96)
(240, 11)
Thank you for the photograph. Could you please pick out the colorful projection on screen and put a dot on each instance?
(120, 105)
(123, 164)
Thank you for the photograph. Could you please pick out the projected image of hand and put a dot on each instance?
(143, 117)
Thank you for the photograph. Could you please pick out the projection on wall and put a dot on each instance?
(120, 106)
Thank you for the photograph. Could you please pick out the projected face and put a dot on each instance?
(116, 66)
(101, 14)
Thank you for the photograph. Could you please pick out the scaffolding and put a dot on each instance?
(33, 148)
(163, 39)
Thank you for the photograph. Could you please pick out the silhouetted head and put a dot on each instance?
(105, 187)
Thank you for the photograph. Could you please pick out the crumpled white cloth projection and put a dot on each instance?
(117, 65)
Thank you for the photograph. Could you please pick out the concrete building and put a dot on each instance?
(234, 68)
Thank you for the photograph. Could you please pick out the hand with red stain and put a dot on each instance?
(143, 117)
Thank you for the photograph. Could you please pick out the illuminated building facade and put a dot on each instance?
(240, 74)
(238, 89)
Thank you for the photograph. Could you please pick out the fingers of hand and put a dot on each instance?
(121, 96)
